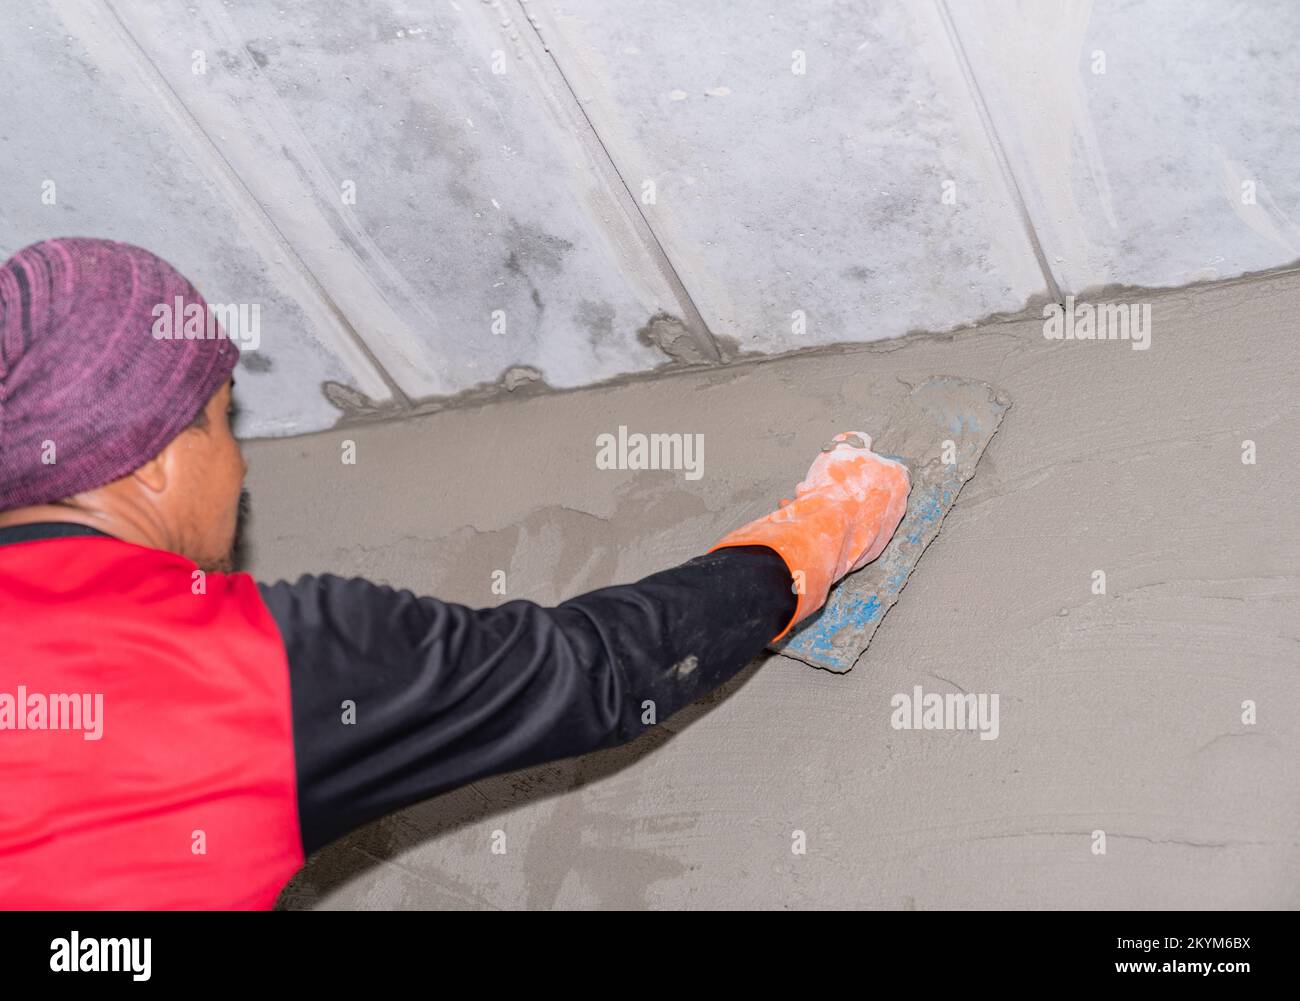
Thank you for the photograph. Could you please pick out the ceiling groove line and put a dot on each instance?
(621, 191)
(999, 150)
(252, 208)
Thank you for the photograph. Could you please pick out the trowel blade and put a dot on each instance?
(944, 418)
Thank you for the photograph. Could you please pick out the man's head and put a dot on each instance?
(103, 419)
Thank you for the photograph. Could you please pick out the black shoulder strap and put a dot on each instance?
(47, 530)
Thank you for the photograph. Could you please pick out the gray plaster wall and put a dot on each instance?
(1120, 712)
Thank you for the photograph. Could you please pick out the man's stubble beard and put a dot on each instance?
(234, 556)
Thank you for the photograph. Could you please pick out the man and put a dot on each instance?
(175, 735)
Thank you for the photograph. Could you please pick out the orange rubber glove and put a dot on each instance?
(843, 515)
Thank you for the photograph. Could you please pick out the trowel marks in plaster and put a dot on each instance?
(940, 433)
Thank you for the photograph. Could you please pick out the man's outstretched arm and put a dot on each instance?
(440, 694)
(397, 698)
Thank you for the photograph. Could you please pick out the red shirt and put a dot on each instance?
(179, 791)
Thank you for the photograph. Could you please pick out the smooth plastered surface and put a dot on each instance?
(1119, 712)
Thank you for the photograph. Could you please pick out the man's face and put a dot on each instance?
(210, 476)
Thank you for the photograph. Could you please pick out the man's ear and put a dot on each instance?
(155, 474)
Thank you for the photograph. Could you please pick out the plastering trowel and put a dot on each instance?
(940, 434)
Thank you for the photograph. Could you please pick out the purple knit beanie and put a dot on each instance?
(89, 389)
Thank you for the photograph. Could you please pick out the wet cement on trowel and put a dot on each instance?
(1119, 712)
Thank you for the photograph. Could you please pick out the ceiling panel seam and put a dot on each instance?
(206, 147)
(999, 151)
(620, 191)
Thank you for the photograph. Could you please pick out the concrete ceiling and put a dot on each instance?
(428, 197)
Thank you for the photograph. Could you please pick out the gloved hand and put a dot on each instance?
(843, 515)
